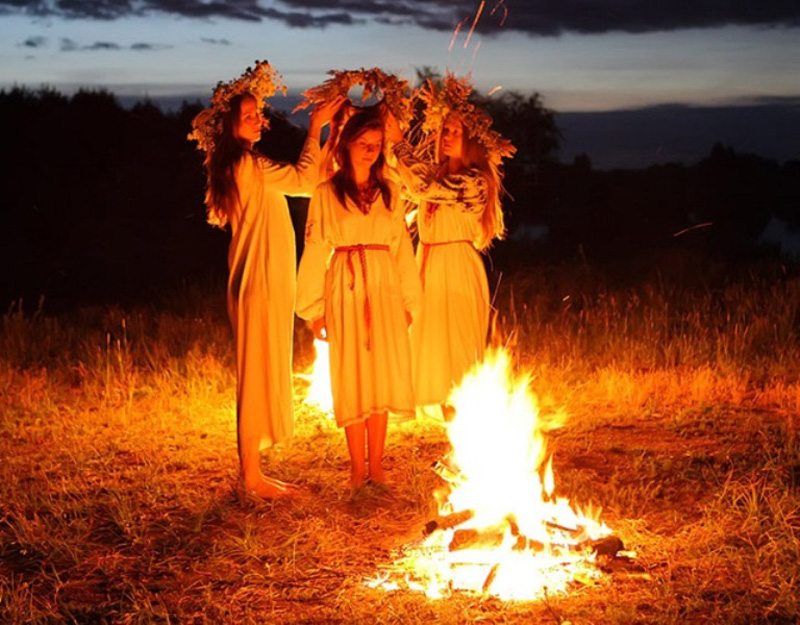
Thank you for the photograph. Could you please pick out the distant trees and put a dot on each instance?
(101, 202)
(104, 202)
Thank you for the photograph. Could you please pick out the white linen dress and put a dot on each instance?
(358, 271)
(262, 261)
(451, 333)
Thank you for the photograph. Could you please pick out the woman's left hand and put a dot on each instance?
(323, 113)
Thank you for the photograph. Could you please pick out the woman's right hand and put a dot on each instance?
(319, 329)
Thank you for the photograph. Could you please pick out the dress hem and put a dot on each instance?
(396, 416)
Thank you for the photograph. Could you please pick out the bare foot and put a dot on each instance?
(357, 478)
(377, 476)
(269, 488)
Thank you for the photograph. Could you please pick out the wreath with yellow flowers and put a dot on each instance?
(393, 91)
(261, 81)
(451, 97)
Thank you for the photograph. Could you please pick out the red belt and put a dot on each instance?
(361, 249)
(426, 248)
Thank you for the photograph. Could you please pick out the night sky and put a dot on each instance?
(582, 56)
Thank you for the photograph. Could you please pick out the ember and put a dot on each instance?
(501, 530)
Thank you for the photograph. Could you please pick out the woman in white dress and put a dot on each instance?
(459, 215)
(246, 190)
(358, 285)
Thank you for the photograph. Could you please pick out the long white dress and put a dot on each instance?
(262, 261)
(358, 270)
(452, 330)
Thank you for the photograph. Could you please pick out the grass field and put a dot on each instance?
(118, 497)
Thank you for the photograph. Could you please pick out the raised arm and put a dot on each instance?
(313, 264)
(420, 181)
(302, 178)
(299, 179)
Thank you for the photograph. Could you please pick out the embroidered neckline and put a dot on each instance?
(367, 196)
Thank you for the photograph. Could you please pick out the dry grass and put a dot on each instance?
(117, 486)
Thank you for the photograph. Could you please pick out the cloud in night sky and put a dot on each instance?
(34, 42)
(68, 45)
(535, 18)
(249, 10)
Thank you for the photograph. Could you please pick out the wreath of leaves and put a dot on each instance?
(261, 81)
(452, 98)
(392, 90)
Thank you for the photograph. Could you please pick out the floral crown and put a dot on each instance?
(452, 98)
(391, 89)
(261, 81)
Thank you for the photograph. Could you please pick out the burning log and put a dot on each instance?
(490, 578)
(447, 522)
(476, 539)
(469, 538)
(607, 546)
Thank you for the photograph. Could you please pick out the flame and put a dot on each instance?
(319, 377)
(501, 529)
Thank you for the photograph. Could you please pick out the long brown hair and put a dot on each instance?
(221, 160)
(475, 156)
(344, 184)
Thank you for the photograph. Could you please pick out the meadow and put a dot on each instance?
(118, 480)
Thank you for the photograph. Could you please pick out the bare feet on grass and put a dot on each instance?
(358, 479)
(265, 487)
(377, 476)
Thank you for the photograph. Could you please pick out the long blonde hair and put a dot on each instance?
(475, 156)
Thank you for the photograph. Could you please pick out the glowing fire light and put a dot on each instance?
(455, 33)
(475, 50)
(319, 377)
(501, 3)
(501, 529)
(474, 23)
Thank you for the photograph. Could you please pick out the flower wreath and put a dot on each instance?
(391, 89)
(452, 97)
(262, 81)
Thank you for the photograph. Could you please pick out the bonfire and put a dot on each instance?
(501, 529)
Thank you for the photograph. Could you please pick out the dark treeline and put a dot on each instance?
(102, 203)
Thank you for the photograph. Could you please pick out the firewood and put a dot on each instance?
(447, 522)
(472, 538)
(608, 546)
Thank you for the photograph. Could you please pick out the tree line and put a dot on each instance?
(105, 203)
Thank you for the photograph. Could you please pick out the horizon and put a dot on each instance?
(633, 138)
(610, 56)
(609, 61)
